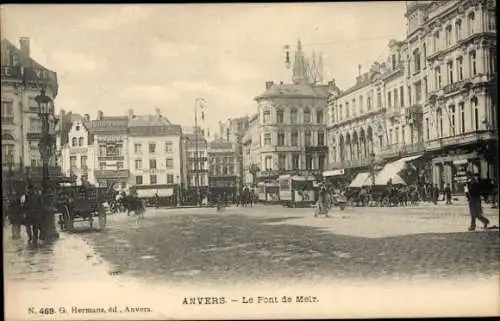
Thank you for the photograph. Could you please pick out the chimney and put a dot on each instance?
(130, 113)
(269, 84)
(86, 118)
(24, 45)
(157, 111)
(100, 115)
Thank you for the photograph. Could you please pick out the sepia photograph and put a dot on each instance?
(250, 160)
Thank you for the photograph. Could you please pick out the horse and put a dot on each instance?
(135, 205)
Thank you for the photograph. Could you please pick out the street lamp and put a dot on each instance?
(197, 102)
(46, 146)
(372, 167)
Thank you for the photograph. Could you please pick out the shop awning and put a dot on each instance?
(362, 179)
(391, 171)
(335, 172)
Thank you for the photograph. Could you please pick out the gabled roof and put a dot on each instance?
(110, 124)
(148, 120)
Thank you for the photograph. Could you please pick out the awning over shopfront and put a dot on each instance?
(391, 171)
(335, 172)
(362, 179)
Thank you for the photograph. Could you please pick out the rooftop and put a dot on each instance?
(295, 91)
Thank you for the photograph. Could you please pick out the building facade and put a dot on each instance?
(223, 176)
(292, 120)
(195, 157)
(155, 161)
(251, 151)
(77, 154)
(433, 97)
(22, 80)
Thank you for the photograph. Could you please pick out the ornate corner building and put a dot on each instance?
(435, 97)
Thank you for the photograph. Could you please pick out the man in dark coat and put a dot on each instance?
(474, 199)
(447, 194)
(435, 194)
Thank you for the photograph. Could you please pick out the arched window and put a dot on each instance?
(341, 113)
(424, 52)
(280, 116)
(307, 138)
(436, 41)
(307, 116)
(475, 113)
(80, 141)
(448, 35)
(452, 120)
(416, 59)
(346, 110)
(458, 30)
(293, 116)
(319, 117)
(471, 22)
(472, 63)
(74, 141)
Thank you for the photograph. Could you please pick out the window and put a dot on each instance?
(409, 95)
(369, 103)
(492, 61)
(170, 179)
(424, 47)
(341, 112)
(450, 72)
(402, 96)
(393, 61)
(436, 41)
(427, 129)
(72, 162)
(418, 91)
(83, 162)
(309, 162)
(475, 114)
(282, 161)
(379, 100)
(440, 130)
(169, 147)
(169, 163)
(7, 112)
(403, 139)
(113, 149)
(452, 120)
(269, 162)
(102, 166)
(354, 107)
(77, 128)
(80, 141)
(138, 164)
(321, 162)
(408, 64)
(461, 107)
(395, 98)
(396, 135)
(416, 60)
(293, 116)
(152, 179)
(138, 180)
(295, 138)
(152, 148)
(152, 164)
(426, 88)
(437, 72)
(319, 116)
(267, 139)
(295, 161)
(307, 116)
(280, 116)
(267, 117)
(74, 142)
(281, 139)
(307, 138)
(492, 24)
(472, 61)
(321, 139)
(361, 108)
(458, 30)
(460, 69)
(448, 36)
(471, 23)
(346, 110)
(137, 148)
(119, 165)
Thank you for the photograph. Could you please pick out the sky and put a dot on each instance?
(143, 57)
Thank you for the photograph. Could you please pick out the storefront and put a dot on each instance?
(336, 177)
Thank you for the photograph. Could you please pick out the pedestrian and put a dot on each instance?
(447, 193)
(474, 200)
(15, 215)
(435, 194)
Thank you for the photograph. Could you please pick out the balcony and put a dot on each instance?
(400, 150)
(461, 139)
(33, 136)
(112, 174)
(317, 149)
(111, 158)
(456, 86)
(11, 73)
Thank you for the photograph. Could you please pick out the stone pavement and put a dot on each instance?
(65, 276)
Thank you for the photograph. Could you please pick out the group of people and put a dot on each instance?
(29, 209)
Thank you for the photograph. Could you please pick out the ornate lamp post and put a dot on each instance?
(46, 147)
(372, 167)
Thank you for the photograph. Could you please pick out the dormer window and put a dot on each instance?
(77, 128)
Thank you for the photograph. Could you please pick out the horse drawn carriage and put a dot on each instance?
(82, 203)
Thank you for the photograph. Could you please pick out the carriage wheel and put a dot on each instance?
(102, 219)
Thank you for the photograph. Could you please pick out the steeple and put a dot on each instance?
(299, 66)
